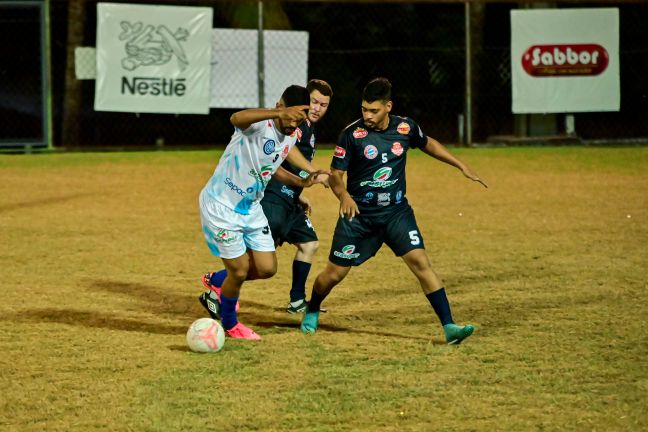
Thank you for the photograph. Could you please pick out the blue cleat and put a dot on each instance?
(309, 322)
(455, 333)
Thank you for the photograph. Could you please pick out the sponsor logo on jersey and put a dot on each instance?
(565, 60)
(347, 252)
(230, 184)
(380, 178)
(367, 198)
(397, 148)
(287, 191)
(403, 128)
(339, 152)
(312, 140)
(263, 176)
(370, 152)
(269, 147)
(399, 196)
(383, 199)
(360, 133)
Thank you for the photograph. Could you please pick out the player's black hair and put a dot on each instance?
(295, 95)
(378, 89)
(321, 86)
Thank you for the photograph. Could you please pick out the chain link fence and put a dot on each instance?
(420, 46)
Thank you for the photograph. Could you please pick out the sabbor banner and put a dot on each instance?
(235, 66)
(565, 60)
(153, 59)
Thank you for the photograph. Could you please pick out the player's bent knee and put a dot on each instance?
(309, 248)
(266, 273)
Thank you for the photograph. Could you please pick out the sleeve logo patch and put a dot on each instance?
(339, 152)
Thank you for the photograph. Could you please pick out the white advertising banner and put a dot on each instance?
(565, 60)
(153, 59)
(234, 81)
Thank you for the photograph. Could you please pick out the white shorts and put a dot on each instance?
(229, 234)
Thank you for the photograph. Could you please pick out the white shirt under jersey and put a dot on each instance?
(247, 164)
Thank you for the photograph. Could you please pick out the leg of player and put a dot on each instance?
(214, 281)
(300, 269)
(252, 265)
(419, 263)
(331, 276)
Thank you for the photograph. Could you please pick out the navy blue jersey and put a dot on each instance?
(375, 161)
(277, 191)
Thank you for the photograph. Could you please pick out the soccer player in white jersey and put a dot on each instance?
(235, 228)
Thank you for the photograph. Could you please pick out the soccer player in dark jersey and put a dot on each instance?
(373, 208)
(287, 210)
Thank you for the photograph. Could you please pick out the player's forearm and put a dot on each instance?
(438, 151)
(243, 119)
(297, 158)
(336, 183)
(288, 178)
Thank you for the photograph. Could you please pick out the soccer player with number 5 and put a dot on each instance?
(373, 208)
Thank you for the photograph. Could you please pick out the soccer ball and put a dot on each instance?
(205, 335)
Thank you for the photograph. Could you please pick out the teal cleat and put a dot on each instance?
(309, 322)
(455, 334)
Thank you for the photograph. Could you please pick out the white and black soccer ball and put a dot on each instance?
(205, 335)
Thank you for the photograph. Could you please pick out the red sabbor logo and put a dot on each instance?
(565, 60)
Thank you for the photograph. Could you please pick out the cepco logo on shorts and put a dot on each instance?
(565, 60)
(347, 252)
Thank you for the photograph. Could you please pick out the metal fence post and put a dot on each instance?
(260, 59)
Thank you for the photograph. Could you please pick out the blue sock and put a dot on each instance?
(228, 312)
(218, 277)
(439, 302)
(300, 272)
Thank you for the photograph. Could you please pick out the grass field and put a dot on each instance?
(101, 255)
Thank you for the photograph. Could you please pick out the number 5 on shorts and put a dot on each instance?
(414, 237)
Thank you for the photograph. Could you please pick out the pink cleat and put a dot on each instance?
(208, 285)
(239, 331)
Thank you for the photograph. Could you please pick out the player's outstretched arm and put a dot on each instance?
(297, 158)
(243, 119)
(348, 207)
(438, 151)
(290, 179)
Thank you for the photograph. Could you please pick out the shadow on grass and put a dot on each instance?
(93, 320)
(263, 321)
(42, 202)
(156, 299)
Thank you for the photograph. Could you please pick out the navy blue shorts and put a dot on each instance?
(288, 223)
(356, 241)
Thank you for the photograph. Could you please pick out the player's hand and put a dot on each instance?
(474, 177)
(305, 204)
(348, 207)
(312, 178)
(294, 114)
(323, 179)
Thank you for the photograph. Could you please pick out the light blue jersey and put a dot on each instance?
(247, 164)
